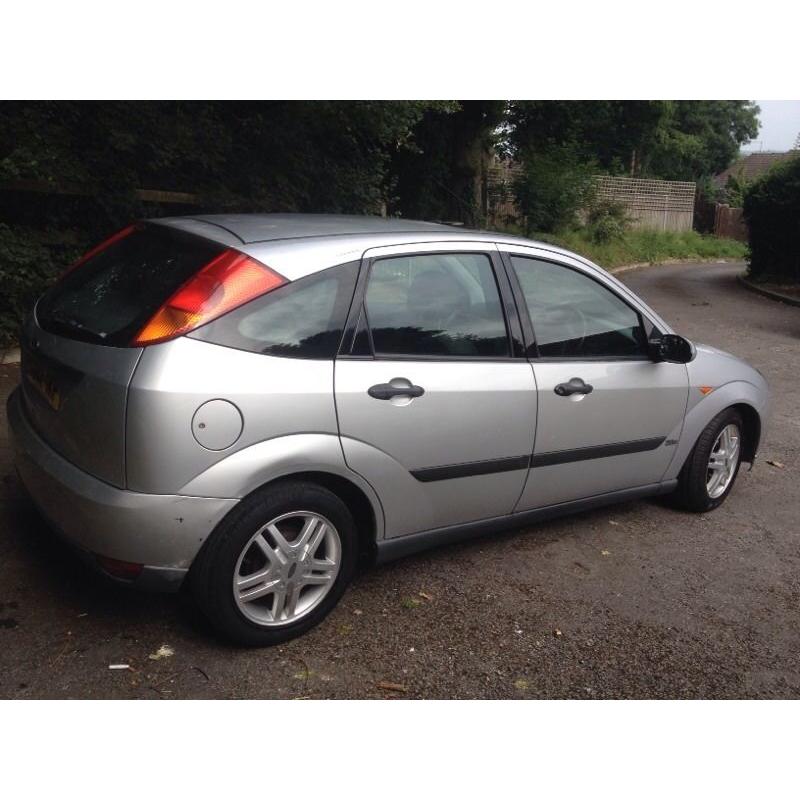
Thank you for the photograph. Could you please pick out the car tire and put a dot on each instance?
(220, 563)
(693, 492)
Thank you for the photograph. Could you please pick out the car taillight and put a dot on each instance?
(228, 281)
(100, 247)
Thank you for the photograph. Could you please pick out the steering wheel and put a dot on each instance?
(571, 318)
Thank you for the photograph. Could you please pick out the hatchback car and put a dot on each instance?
(252, 404)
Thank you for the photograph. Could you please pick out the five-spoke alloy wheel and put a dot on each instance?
(287, 568)
(277, 564)
(711, 468)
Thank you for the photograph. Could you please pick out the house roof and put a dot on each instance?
(751, 166)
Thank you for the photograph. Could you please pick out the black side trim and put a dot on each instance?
(598, 451)
(471, 468)
(390, 549)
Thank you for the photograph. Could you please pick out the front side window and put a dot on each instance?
(303, 319)
(575, 316)
(437, 304)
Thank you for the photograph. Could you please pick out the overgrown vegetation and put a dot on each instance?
(640, 246)
(772, 212)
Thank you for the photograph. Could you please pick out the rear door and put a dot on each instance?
(76, 359)
(609, 417)
(436, 405)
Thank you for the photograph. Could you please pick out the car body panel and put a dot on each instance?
(75, 395)
(275, 397)
(160, 530)
(476, 411)
(633, 404)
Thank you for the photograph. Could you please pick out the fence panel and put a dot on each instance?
(659, 205)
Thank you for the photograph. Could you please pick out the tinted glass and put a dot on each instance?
(111, 296)
(304, 319)
(574, 316)
(440, 304)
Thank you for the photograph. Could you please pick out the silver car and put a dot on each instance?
(253, 405)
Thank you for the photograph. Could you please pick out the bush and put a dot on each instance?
(28, 263)
(607, 221)
(772, 212)
(554, 186)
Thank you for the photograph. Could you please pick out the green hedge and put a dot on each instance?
(772, 213)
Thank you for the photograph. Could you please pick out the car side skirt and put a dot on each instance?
(391, 549)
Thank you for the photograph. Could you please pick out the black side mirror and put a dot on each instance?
(671, 347)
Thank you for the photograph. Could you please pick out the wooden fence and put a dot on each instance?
(652, 204)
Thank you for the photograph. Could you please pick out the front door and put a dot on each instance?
(609, 417)
(434, 410)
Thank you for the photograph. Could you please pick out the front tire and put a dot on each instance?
(277, 565)
(710, 471)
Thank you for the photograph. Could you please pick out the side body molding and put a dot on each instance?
(245, 470)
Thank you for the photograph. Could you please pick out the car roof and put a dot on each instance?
(252, 228)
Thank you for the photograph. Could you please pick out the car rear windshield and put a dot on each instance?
(110, 297)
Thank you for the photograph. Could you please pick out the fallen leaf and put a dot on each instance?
(776, 464)
(557, 632)
(165, 651)
(410, 602)
(345, 629)
(521, 683)
(392, 687)
(425, 595)
(605, 552)
(613, 522)
(358, 612)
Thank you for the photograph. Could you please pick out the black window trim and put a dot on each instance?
(531, 344)
(508, 305)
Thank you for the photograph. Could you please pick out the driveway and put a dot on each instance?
(635, 600)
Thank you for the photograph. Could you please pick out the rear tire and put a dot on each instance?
(697, 490)
(261, 544)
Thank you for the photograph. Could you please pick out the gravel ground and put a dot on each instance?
(635, 600)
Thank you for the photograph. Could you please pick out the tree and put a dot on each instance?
(439, 175)
(700, 138)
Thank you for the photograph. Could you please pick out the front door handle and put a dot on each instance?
(386, 391)
(573, 386)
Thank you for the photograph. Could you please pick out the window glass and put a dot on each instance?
(574, 316)
(439, 304)
(304, 319)
(110, 296)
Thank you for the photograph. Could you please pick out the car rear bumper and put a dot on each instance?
(162, 532)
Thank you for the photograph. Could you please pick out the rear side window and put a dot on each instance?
(438, 304)
(303, 319)
(111, 296)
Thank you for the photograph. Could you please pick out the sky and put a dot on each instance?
(780, 124)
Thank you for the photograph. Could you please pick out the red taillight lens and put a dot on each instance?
(225, 283)
(126, 570)
(100, 247)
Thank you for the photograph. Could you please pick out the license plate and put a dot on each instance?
(43, 383)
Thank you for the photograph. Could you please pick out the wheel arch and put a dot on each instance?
(752, 430)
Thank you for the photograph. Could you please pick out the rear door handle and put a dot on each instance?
(573, 386)
(386, 391)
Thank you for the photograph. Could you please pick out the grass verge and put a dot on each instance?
(637, 247)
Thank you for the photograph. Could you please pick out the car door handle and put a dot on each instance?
(573, 386)
(386, 391)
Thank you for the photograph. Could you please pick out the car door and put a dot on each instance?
(609, 417)
(435, 399)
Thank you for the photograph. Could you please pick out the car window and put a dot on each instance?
(438, 304)
(575, 316)
(303, 319)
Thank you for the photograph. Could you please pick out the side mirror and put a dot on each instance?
(671, 347)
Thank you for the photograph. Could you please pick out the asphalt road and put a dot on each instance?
(635, 600)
